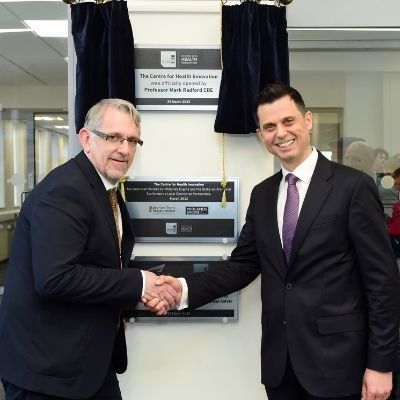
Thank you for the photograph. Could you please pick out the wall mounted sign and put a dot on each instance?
(177, 78)
(224, 309)
(182, 209)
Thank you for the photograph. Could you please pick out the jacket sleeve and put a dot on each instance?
(242, 268)
(74, 256)
(379, 274)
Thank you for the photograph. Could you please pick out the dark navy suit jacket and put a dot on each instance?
(64, 288)
(335, 307)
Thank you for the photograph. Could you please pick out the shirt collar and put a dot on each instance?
(107, 184)
(306, 169)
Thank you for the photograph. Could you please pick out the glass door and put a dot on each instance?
(16, 174)
(31, 145)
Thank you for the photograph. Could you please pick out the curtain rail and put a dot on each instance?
(177, 6)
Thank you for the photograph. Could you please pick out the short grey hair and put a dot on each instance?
(94, 116)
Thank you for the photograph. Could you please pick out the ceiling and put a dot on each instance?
(25, 58)
(29, 60)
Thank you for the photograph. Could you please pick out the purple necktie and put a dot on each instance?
(290, 215)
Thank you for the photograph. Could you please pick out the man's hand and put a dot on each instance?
(158, 305)
(175, 283)
(376, 385)
(159, 297)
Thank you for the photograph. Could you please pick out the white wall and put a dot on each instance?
(390, 126)
(194, 360)
(217, 361)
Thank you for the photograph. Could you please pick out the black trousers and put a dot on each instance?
(109, 390)
(291, 389)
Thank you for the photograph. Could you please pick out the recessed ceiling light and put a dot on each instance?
(48, 28)
(47, 118)
(18, 1)
(14, 30)
(61, 126)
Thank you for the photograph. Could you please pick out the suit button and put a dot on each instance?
(289, 286)
(284, 324)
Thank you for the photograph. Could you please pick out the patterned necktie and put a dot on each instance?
(290, 215)
(114, 204)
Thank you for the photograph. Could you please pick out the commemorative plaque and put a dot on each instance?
(177, 78)
(183, 209)
(224, 309)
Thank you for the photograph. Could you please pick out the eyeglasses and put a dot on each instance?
(132, 141)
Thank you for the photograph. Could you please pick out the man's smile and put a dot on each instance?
(285, 144)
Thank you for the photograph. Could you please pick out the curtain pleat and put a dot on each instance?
(104, 47)
(254, 53)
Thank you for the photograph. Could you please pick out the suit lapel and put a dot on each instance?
(271, 221)
(317, 193)
(99, 192)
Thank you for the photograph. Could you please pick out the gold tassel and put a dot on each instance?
(121, 182)
(223, 185)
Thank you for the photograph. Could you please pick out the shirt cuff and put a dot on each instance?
(144, 282)
(184, 297)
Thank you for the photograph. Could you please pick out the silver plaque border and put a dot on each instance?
(195, 239)
(168, 319)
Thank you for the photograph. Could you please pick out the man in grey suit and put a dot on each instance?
(61, 332)
(329, 282)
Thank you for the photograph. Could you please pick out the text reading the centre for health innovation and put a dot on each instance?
(177, 78)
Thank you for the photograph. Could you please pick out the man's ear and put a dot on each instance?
(309, 120)
(84, 139)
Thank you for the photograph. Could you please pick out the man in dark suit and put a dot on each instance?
(61, 332)
(330, 293)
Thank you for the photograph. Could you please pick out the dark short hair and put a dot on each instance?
(275, 91)
(381, 151)
(396, 173)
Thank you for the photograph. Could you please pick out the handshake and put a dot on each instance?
(162, 293)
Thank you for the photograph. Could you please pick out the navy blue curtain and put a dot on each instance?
(254, 53)
(104, 49)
